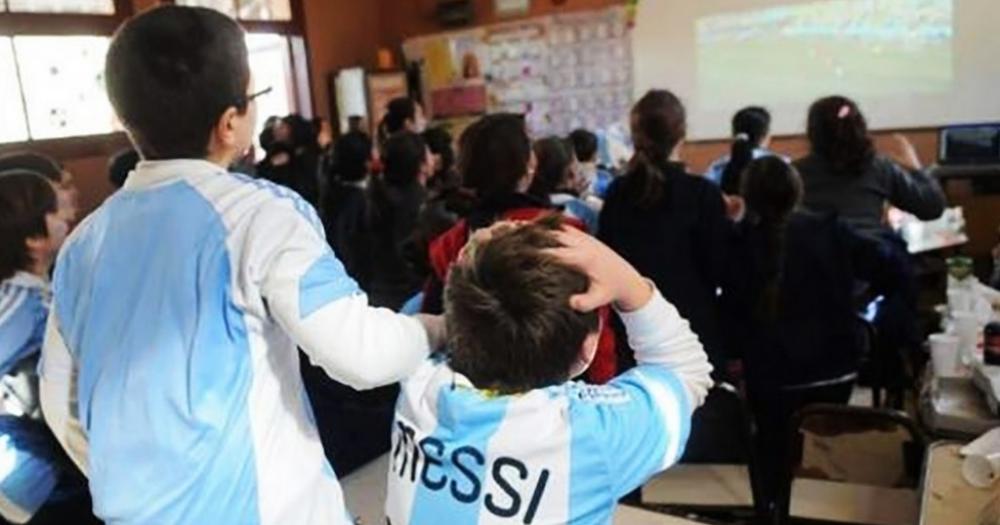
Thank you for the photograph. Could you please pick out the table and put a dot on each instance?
(946, 498)
(364, 493)
(955, 408)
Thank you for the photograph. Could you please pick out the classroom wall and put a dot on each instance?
(402, 19)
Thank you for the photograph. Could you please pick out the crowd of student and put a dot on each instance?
(170, 334)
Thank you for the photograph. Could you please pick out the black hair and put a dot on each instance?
(397, 112)
(25, 199)
(354, 123)
(659, 124)
(352, 153)
(404, 156)
(171, 73)
(772, 190)
(838, 133)
(303, 133)
(584, 145)
(439, 141)
(751, 125)
(121, 165)
(555, 158)
(34, 162)
(493, 155)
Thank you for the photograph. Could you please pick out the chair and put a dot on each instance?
(851, 464)
(713, 475)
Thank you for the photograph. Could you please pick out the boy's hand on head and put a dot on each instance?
(612, 279)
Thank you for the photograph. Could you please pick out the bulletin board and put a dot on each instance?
(562, 71)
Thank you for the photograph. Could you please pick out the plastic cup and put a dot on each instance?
(967, 331)
(981, 471)
(944, 355)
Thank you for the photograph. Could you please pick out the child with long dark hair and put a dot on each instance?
(751, 137)
(670, 224)
(497, 166)
(558, 181)
(844, 173)
(788, 305)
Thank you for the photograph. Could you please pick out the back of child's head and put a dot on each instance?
(353, 152)
(838, 132)
(507, 305)
(404, 157)
(171, 73)
(25, 199)
(584, 145)
(751, 126)
(659, 124)
(121, 165)
(555, 159)
(34, 162)
(494, 154)
(439, 141)
(772, 189)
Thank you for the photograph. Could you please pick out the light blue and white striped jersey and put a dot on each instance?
(556, 455)
(24, 308)
(170, 371)
(28, 471)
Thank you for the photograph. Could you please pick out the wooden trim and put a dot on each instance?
(58, 24)
(72, 147)
(793, 136)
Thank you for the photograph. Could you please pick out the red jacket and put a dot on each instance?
(445, 249)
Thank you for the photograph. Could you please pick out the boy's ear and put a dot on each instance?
(586, 356)
(225, 131)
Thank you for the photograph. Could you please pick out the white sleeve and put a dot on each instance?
(57, 383)
(660, 337)
(308, 292)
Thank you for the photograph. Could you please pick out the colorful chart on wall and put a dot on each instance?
(562, 72)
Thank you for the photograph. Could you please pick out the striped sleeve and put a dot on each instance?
(309, 293)
(647, 428)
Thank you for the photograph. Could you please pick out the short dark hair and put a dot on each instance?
(352, 152)
(838, 133)
(554, 160)
(121, 165)
(439, 141)
(171, 72)
(493, 155)
(584, 144)
(405, 153)
(511, 327)
(34, 162)
(25, 199)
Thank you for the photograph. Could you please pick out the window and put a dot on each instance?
(271, 10)
(97, 7)
(52, 67)
(63, 83)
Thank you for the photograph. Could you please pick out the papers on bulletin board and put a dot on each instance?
(562, 72)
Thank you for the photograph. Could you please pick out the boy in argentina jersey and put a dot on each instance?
(169, 369)
(496, 431)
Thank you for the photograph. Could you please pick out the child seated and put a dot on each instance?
(497, 429)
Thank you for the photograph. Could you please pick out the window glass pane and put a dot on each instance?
(265, 10)
(13, 127)
(226, 6)
(270, 66)
(63, 81)
(100, 7)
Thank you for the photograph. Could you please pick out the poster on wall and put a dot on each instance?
(562, 71)
(382, 88)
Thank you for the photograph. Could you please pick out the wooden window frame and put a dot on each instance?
(82, 24)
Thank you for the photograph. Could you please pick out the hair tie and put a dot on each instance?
(742, 136)
(845, 111)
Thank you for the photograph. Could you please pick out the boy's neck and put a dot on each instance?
(221, 158)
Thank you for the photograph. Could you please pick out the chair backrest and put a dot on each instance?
(850, 445)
